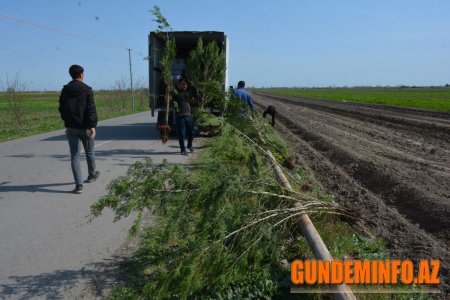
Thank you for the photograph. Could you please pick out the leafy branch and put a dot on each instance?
(160, 19)
(205, 71)
(210, 229)
(167, 59)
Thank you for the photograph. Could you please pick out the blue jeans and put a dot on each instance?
(74, 136)
(185, 128)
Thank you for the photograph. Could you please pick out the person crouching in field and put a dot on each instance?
(270, 111)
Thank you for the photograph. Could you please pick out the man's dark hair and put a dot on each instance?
(241, 84)
(75, 71)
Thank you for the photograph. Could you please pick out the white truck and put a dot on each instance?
(186, 41)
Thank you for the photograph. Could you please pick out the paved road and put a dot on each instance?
(47, 247)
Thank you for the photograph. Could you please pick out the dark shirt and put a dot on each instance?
(77, 106)
(183, 100)
(271, 110)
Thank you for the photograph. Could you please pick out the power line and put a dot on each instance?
(19, 20)
(78, 37)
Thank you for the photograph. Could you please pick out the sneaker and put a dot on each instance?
(192, 149)
(93, 177)
(78, 189)
(184, 153)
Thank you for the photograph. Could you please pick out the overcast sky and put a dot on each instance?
(272, 43)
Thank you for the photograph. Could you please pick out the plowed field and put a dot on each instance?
(389, 166)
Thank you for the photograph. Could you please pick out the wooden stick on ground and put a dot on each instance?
(342, 292)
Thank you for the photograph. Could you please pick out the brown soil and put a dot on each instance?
(389, 166)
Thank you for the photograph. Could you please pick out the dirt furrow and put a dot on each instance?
(389, 166)
(432, 122)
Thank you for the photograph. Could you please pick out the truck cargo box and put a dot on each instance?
(186, 41)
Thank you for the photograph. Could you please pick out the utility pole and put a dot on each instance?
(131, 81)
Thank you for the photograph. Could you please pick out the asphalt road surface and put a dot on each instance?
(48, 249)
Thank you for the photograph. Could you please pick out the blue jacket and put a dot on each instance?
(245, 97)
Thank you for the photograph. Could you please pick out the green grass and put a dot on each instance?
(40, 112)
(422, 98)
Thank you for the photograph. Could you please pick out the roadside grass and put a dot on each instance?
(188, 252)
(40, 112)
(422, 98)
(40, 109)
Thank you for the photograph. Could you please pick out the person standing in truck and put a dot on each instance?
(245, 96)
(78, 111)
(184, 120)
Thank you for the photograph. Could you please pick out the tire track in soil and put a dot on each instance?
(389, 166)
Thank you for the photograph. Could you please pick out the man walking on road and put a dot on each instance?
(77, 109)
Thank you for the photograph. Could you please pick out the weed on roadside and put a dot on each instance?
(224, 228)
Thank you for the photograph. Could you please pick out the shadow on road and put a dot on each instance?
(132, 153)
(43, 188)
(136, 131)
(56, 285)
